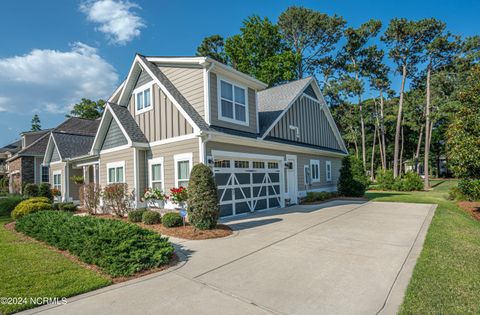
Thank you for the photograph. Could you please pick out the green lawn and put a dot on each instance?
(446, 279)
(29, 269)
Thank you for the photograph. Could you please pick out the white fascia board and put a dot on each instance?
(231, 154)
(47, 151)
(118, 90)
(56, 147)
(132, 67)
(119, 125)
(100, 132)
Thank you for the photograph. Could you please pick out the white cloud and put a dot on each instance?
(52, 80)
(116, 19)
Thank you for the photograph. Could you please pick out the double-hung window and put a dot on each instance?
(328, 171)
(233, 103)
(45, 176)
(315, 170)
(115, 172)
(183, 165)
(57, 180)
(156, 173)
(143, 98)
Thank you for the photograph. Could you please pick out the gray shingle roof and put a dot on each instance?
(273, 101)
(179, 98)
(12, 147)
(128, 123)
(72, 145)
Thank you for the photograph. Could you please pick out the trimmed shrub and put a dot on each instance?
(353, 181)
(119, 248)
(410, 181)
(313, 196)
(64, 206)
(117, 198)
(203, 209)
(90, 197)
(136, 215)
(9, 203)
(385, 179)
(172, 219)
(30, 206)
(30, 190)
(45, 191)
(151, 217)
(470, 189)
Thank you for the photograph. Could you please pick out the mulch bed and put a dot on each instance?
(173, 260)
(473, 207)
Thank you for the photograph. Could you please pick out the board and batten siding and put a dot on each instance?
(302, 159)
(114, 137)
(309, 117)
(163, 121)
(118, 156)
(214, 110)
(189, 82)
(168, 151)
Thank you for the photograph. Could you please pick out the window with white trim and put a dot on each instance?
(183, 166)
(233, 103)
(115, 173)
(57, 180)
(306, 175)
(156, 173)
(315, 170)
(45, 174)
(143, 99)
(328, 170)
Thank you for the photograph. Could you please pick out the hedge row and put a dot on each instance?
(119, 248)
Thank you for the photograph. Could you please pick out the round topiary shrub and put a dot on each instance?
(136, 215)
(31, 205)
(353, 181)
(30, 190)
(172, 219)
(151, 217)
(203, 209)
(45, 191)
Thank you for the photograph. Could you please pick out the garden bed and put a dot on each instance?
(473, 207)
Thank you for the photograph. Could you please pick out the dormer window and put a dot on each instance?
(143, 98)
(232, 103)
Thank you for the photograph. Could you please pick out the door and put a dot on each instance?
(292, 179)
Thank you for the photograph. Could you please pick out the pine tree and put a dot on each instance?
(36, 123)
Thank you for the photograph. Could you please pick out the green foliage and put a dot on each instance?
(470, 189)
(313, 196)
(213, 47)
(64, 206)
(352, 181)
(30, 190)
(203, 208)
(119, 248)
(30, 206)
(409, 181)
(151, 217)
(385, 179)
(117, 198)
(136, 215)
(9, 203)
(44, 191)
(172, 219)
(36, 126)
(88, 109)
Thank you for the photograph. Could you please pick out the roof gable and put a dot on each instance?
(114, 137)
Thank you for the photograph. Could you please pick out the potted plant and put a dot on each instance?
(78, 180)
(179, 196)
(155, 198)
(56, 193)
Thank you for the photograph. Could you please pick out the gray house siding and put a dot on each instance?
(309, 117)
(114, 137)
(163, 121)
(55, 155)
(144, 78)
(252, 109)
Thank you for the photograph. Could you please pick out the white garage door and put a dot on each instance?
(248, 184)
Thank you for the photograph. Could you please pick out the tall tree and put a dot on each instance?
(311, 35)
(214, 47)
(406, 41)
(36, 125)
(88, 109)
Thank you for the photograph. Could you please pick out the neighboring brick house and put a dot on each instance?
(5, 153)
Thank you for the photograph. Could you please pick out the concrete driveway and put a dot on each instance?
(341, 257)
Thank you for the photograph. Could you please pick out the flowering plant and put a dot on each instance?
(154, 194)
(55, 192)
(179, 195)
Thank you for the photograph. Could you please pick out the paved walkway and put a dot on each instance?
(341, 257)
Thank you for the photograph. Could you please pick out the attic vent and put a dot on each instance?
(297, 131)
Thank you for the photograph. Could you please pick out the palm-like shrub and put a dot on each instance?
(353, 181)
(203, 209)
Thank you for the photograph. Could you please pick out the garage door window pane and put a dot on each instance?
(257, 164)
(241, 164)
(272, 165)
(222, 163)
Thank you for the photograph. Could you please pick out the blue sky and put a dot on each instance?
(52, 53)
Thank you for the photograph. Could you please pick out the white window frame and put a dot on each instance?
(59, 186)
(219, 102)
(317, 164)
(179, 158)
(116, 165)
(152, 162)
(328, 171)
(142, 89)
(305, 169)
(42, 173)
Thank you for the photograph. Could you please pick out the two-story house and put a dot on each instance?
(266, 146)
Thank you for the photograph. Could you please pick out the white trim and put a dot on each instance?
(142, 89)
(182, 157)
(135, 174)
(67, 183)
(118, 89)
(88, 163)
(256, 111)
(312, 98)
(155, 161)
(35, 170)
(104, 130)
(206, 91)
(119, 148)
(55, 163)
(132, 67)
(116, 165)
(174, 139)
(328, 175)
(317, 164)
(295, 182)
(201, 150)
(241, 155)
(58, 172)
(219, 102)
(305, 177)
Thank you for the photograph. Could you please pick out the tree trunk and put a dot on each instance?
(426, 182)
(362, 126)
(382, 132)
(417, 152)
(399, 123)
(372, 177)
(401, 151)
(384, 166)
